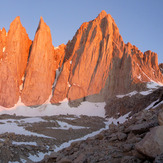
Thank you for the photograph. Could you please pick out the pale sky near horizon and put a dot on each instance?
(139, 22)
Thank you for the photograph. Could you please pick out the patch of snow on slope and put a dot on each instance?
(151, 105)
(129, 94)
(158, 104)
(66, 126)
(56, 77)
(86, 108)
(38, 157)
(153, 85)
(56, 47)
(32, 120)
(143, 72)
(24, 143)
(12, 126)
(121, 119)
(21, 87)
(145, 92)
(69, 85)
(140, 78)
(4, 48)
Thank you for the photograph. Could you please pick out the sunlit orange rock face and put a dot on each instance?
(14, 50)
(3, 39)
(41, 68)
(95, 65)
(98, 62)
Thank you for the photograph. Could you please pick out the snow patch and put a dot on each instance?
(38, 157)
(151, 105)
(143, 72)
(32, 120)
(121, 119)
(86, 108)
(129, 94)
(158, 104)
(4, 48)
(153, 85)
(23, 78)
(69, 85)
(68, 118)
(145, 92)
(139, 77)
(66, 126)
(21, 87)
(24, 143)
(12, 126)
(56, 47)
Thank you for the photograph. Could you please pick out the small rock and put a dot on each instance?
(141, 128)
(65, 160)
(130, 159)
(121, 136)
(99, 137)
(113, 137)
(112, 127)
(29, 148)
(159, 159)
(127, 147)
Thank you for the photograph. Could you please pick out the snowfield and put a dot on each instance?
(86, 108)
(151, 86)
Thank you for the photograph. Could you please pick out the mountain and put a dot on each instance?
(96, 65)
(98, 62)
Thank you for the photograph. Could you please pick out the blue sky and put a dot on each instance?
(140, 22)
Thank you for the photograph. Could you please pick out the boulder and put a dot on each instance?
(152, 144)
(121, 136)
(141, 128)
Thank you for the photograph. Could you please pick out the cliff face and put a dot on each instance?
(14, 52)
(98, 62)
(95, 65)
(40, 71)
(88, 59)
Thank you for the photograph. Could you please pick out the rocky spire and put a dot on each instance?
(13, 62)
(41, 68)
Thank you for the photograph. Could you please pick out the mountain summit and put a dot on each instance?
(95, 65)
(99, 65)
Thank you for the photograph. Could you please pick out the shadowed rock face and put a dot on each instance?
(161, 67)
(14, 52)
(98, 62)
(41, 68)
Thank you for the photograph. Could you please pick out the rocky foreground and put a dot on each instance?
(28, 139)
(138, 140)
